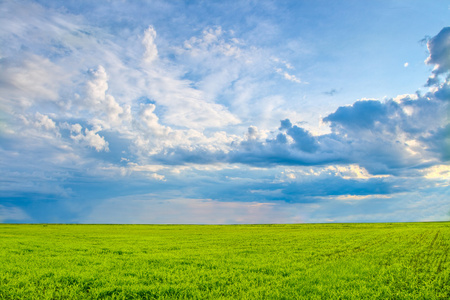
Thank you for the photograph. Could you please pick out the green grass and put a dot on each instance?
(305, 261)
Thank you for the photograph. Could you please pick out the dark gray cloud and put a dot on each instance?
(331, 92)
(285, 124)
(439, 48)
(303, 139)
(361, 115)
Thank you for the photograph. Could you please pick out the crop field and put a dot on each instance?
(301, 261)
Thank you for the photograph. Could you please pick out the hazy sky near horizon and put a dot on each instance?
(224, 112)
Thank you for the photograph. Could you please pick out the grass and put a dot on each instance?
(304, 261)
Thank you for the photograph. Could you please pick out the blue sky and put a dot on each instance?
(224, 112)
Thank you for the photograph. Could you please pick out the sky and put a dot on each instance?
(224, 112)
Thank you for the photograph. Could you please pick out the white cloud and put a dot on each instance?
(97, 87)
(353, 171)
(96, 141)
(32, 80)
(438, 172)
(148, 122)
(350, 198)
(291, 77)
(405, 97)
(44, 122)
(100, 106)
(187, 106)
(212, 42)
(347, 172)
(151, 52)
(91, 138)
(76, 128)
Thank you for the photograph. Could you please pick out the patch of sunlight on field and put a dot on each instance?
(304, 261)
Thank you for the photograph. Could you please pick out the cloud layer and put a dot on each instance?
(97, 118)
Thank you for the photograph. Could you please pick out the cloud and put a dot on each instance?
(384, 137)
(145, 209)
(29, 80)
(151, 52)
(303, 139)
(88, 88)
(44, 122)
(291, 77)
(12, 214)
(321, 188)
(148, 122)
(360, 115)
(86, 103)
(439, 49)
(238, 75)
(440, 172)
(252, 133)
(331, 92)
(285, 124)
(422, 206)
(91, 138)
(212, 42)
(185, 104)
(102, 107)
(288, 76)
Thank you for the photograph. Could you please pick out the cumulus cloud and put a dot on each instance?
(149, 122)
(44, 122)
(252, 133)
(90, 138)
(103, 108)
(303, 140)
(360, 115)
(151, 52)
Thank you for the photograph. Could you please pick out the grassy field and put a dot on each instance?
(305, 261)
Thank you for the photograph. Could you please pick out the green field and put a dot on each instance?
(304, 261)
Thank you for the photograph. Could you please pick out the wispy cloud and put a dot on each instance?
(12, 214)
